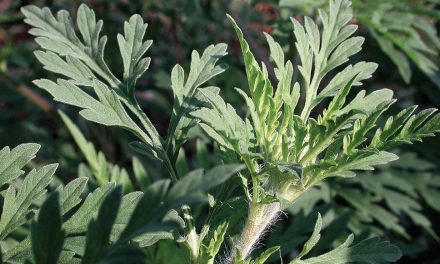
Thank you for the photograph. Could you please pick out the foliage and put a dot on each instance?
(403, 30)
(287, 154)
(120, 218)
(290, 143)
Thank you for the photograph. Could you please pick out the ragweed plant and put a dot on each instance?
(286, 154)
(80, 60)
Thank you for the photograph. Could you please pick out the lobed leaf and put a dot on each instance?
(94, 160)
(140, 174)
(69, 194)
(14, 160)
(58, 35)
(208, 253)
(78, 222)
(98, 231)
(46, 233)
(132, 49)
(16, 206)
(187, 98)
(369, 251)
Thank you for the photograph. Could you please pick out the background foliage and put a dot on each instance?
(399, 202)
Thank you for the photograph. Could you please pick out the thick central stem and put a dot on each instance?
(261, 217)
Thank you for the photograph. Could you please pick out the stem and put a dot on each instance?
(192, 237)
(192, 242)
(261, 217)
(149, 127)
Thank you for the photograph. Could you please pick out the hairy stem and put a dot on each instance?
(263, 218)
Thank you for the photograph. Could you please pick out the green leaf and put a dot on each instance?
(370, 251)
(76, 244)
(266, 254)
(148, 213)
(359, 71)
(128, 204)
(332, 233)
(398, 57)
(208, 253)
(108, 110)
(391, 127)
(47, 236)
(98, 231)
(71, 67)
(411, 130)
(363, 204)
(361, 161)
(120, 176)
(162, 253)
(401, 32)
(69, 194)
(20, 251)
(398, 188)
(312, 240)
(140, 173)
(327, 52)
(68, 258)
(195, 182)
(150, 238)
(360, 128)
(13, 160)
(186, 96)
(367, 251)
(123, 254)
(182, 163)
(344, 166)
(295, 169)
(58, 35)
(79, 221)
(367, 103)
(321, 136)
(16, 207)
(89, 151)
(284, 73)
(401, 203)
(147, 150)
(225, 121)
(203, 155)
(132, 49)
(338, 100)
